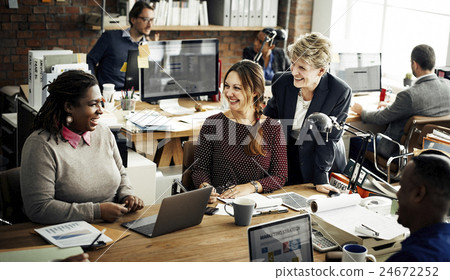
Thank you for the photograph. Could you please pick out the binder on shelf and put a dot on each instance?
(255, 10)
(273, 13)
(219, 12)
(234, 13)
(265, 13)
(246, 13)
(204, 11)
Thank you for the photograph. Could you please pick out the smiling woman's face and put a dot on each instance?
(87, 114)
(305, 75)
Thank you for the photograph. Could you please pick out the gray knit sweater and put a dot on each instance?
(60, 183)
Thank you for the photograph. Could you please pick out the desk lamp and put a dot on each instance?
(325, 124)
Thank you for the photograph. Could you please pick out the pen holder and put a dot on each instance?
(128, 104)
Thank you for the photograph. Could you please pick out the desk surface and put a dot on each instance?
(215, 239)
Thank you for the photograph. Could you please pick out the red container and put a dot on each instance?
(382, 94)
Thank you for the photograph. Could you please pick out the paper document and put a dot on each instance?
(79, 233)
(45, 253)
(263, 204)
(171, 106)
(344, 212)
(148, 118)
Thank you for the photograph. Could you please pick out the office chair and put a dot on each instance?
(11, 198)
(409, 140)
(186, 177)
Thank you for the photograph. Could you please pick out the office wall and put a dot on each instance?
(37, 25)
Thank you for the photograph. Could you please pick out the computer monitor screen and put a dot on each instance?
(361, 71)
(181, 68)
(132, 73)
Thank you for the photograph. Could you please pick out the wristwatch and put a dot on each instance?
(255, 185)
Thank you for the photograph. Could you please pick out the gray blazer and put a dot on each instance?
(429, 96)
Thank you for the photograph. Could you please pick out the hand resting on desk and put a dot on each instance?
(326, 188)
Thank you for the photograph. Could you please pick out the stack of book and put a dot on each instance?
(439, 140)
(44, 66)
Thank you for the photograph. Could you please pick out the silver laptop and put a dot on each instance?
(176, 212)
(284, 240)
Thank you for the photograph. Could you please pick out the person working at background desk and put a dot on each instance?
(272, 59)
(429, 96)
(308, 88)
(424, 203)
(71, 167)
(109, 54)
(241, 148)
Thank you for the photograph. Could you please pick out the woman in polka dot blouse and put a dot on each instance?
(241, 151)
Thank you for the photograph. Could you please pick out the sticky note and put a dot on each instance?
(142, 61)
(124, 67)
(144, 50)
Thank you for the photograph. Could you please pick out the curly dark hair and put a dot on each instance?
(69, 87)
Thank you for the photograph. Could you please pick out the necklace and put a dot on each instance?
(242, 121)
(304, 104)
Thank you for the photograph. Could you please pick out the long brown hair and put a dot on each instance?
(252, 79)
(69, 87)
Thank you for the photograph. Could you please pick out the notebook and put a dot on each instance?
(284, 240)
(292, 200)
(176, 212)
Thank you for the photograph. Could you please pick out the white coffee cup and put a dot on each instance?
(356, 253)
(108, 87)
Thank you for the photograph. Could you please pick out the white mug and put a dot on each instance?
(356, 253)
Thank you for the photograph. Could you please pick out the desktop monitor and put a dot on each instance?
(361, 71)
(132, 73)
(181, 68)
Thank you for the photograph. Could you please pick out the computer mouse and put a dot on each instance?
(333, 193)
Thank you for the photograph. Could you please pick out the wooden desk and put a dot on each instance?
(162, 147)
(216, 239)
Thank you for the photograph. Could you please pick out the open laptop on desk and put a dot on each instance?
(176, 212)
(285, 240)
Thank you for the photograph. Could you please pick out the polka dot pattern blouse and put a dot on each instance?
(220, 160)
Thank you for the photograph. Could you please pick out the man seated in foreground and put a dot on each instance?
(424, 203)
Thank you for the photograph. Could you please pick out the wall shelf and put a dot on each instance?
(190, 28)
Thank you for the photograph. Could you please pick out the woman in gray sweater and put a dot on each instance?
(71, 166)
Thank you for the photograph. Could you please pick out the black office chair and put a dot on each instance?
(11, 198)
(393, 166)
(186, 177)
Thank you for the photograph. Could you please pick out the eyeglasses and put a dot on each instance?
(147, 20)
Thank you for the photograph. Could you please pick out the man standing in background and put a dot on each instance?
(107, 57)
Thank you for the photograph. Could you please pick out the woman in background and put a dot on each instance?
(71, 166)
(241, 151)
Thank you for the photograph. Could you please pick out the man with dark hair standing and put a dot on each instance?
(424, 203)
(429, 96)
(107, 57)
(272, 59)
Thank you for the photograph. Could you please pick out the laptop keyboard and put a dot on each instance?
(147, 229)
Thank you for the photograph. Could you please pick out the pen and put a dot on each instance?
(367, 230)
(6, 222)
(272, 212)
(98, 236)
(132, 92)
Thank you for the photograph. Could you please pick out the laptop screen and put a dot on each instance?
(285, 240)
